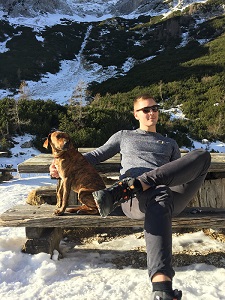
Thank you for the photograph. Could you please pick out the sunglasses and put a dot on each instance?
(147, 109)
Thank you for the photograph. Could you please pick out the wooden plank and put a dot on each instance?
(7, 170)
(210, 194)
(42, 216)
(2, 153)
(46, 240)
(41, 163)
(37, 164)
(217, 162)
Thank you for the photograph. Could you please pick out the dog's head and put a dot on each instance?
(59, 141)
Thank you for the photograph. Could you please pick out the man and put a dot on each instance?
(155, 184)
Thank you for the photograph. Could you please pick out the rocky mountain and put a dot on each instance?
(55, 45)
(99, 8)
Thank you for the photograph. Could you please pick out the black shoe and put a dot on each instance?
(160, 295)
(108, 199)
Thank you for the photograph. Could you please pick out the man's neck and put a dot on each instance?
(148, 129)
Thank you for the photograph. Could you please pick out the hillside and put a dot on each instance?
(38, 42)
(105, 53)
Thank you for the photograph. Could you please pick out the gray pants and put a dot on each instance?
(173, 186)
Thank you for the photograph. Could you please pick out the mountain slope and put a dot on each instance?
(58, 46)
(97, 9)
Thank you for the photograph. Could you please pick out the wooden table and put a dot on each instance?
(211, 194)
(41, 163)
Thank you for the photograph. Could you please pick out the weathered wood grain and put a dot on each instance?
(41, 163)
(7, 170)
(42, 216)
(211, 194)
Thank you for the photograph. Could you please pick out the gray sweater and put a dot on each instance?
(140, 151)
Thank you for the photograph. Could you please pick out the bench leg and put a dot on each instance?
(42, 240)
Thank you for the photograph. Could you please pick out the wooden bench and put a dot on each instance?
(6, 171)
(44, 230)
(7, 168)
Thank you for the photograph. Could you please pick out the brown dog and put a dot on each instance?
(76, 173)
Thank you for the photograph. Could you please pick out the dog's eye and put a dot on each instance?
(61, 136)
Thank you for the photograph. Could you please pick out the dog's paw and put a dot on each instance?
(58, 212)
(87, 212)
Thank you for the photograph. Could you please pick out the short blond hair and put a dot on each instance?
(143, 97)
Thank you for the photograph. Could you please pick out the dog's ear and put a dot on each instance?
(45, 145)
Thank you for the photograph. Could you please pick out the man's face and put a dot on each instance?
(147, 120)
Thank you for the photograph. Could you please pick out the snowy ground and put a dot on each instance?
(89, 274)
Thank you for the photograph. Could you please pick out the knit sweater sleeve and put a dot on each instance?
(106, 151)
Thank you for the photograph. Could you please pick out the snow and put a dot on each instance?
(3, 47)
(59, 87)
(175, 112)
(181, 5)
(86, 271)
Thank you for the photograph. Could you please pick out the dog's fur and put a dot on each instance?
(75, 173)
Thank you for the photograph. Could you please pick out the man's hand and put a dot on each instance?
(53, 171)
